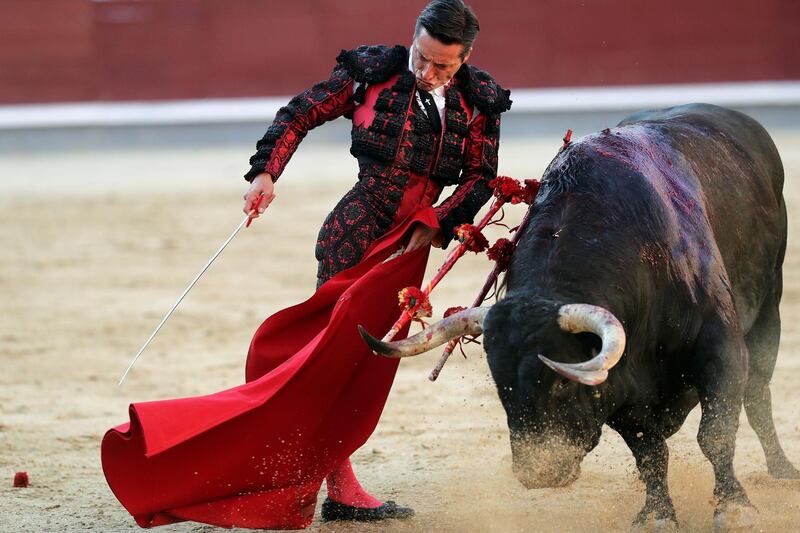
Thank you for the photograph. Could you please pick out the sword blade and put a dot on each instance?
(183, 294)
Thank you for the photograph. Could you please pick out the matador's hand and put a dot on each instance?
(262, 184)
(422, 235)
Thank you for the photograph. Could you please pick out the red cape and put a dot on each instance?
(255, 455)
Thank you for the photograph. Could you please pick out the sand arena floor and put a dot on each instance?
(96, 247)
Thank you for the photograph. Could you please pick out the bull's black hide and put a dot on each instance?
(675, 222)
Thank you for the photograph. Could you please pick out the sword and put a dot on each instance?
(246, 221)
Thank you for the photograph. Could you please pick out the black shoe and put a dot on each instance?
(332, 510)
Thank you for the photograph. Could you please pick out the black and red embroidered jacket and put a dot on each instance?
(392, 139)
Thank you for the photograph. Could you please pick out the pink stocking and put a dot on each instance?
(343, 487)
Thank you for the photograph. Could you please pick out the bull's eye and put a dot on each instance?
(563, 383)
(560, 388)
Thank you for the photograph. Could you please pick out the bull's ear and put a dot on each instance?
(571, 371)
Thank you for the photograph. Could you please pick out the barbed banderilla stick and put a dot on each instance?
(246, 223)
(490, 281)
(451, 259)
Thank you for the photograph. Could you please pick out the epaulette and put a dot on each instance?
(482, 91)
(373, 64)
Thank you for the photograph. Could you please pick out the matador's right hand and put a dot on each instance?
(261, 185)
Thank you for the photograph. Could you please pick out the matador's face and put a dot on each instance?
(435, 63)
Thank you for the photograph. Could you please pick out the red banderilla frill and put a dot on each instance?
(409, 313)
(500, 266)
(415, 303)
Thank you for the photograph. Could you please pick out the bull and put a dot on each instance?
(647, 281)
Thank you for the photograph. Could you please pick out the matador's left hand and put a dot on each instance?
(422, 235)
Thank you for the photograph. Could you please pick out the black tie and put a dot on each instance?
(431, 110)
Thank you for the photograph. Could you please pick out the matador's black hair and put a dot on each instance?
(449, 21)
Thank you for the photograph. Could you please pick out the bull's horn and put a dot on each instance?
(578, 318)
(466, 322)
